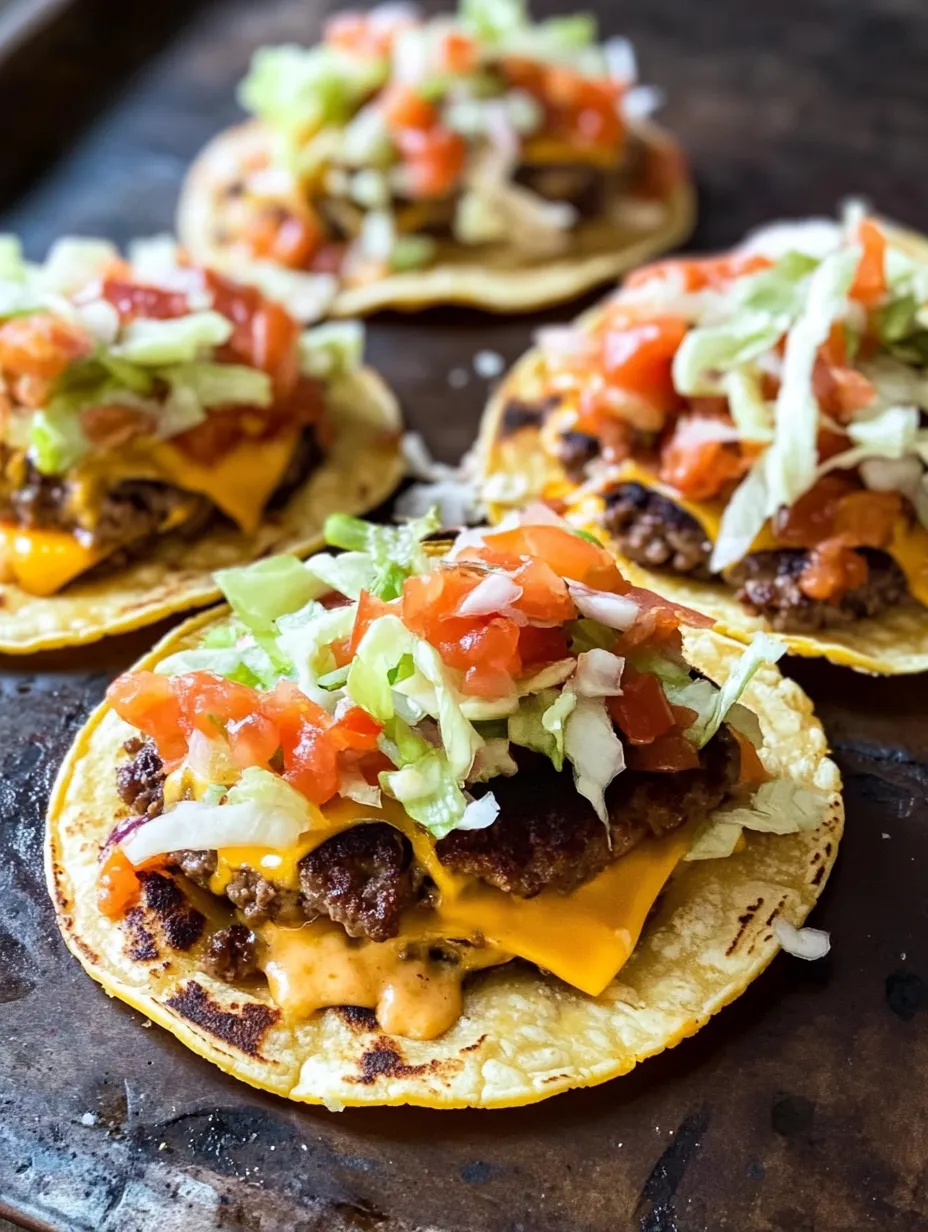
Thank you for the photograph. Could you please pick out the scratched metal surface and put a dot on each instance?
(803, 1107)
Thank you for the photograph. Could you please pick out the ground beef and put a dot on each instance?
(648, 528)
(231, 954)
(199, 866)
(259, 899)
(549, 838)
(575, 450)
(768, 586)
(140, 781)
(519, 413)
(362, 879)
(581, 185)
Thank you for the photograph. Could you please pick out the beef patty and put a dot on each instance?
(652, 530)
(548, 838)
(768, 586)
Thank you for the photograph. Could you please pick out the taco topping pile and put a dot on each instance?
(759, 417)
(144, 396)
(424, 756)
(398, 132)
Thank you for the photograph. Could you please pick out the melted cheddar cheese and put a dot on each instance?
(239, 484)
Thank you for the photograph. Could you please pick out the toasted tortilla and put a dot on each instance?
(359, 471)
(495, 277)
(523, 1035)
(516, 468)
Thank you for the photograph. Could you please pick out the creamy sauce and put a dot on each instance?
(412, 992)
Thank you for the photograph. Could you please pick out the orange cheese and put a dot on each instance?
(42, 561)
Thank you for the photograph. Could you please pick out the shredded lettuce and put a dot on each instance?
(395, 551)
(588, 634)
(742, 519)
(178, 340)
(762, 649)
(298, 90)
(594, 751)
(304, 640)
(349, 573)
(248, 665)
(56, 441)
(73, 262)
(220, 384)
(332, 350)
(492, 20)
(779, 806)
(751, 412)
(429, 792)
(260, 593)
(12, 264)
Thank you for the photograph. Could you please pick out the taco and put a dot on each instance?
(750, 432)
(160, 422)
(465, 833)
(406, 162)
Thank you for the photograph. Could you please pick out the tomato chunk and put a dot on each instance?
(309, 754)
(118, 884)
(433, 159)
(41, 345)
(148, 702)
(700, 469)
(698, 273)
(537, 646)
(369, 609)
(356, 730)
(209, 702)
(404, 108)
(638, 357)
(641, 711)
(668, 752)
(253, 739)
(869, 285)
(133, 300)
(567, 554)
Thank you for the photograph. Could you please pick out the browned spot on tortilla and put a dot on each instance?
(243, 1030)
(828, 850)
(775, 912)
(91, 955)
(473, 1047)
(385, 1060)
(181, 924)
(743, 922)
(139, 944)
(819, 874)
(357, 1017)
(519, 414)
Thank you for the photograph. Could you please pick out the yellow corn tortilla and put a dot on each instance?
(523, 1035)
(495, 277)
(359, 471)
(516, 469)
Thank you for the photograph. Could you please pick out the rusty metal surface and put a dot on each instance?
(803, 1106)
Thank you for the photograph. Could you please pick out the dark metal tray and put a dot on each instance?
(803, 1106)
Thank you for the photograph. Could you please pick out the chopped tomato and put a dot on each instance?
(431, 601)
(839, 389)
(369, 609)
(700, 469)
(700, 273)
(253, 739)
(356, 730)
(538, 646)
(641, 711)
(752, 769)
(118, 885)
(811, 518)
(868, 518)
(341, 651)
(652, 603)
(869, 285)
(583, 110)
(288, 239)
(148, 702)
(670, 751)
(264, 334)
(569, 555)
(639, 356)
(833, 569)
(456, 53)
(41, 345)
(544, 595)
(404, 108)
(433, 160)
(488, 654)
(209, 702)
(309, 754)
(132, 300)
(111, 426)
(367, 34)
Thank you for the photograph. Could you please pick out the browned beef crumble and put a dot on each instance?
(575, 450)
(231, 954)
(768, 585)
(140, 781)
(362, 879)
(652, 530)
(259, 899)
(549, 838)
(518, 413)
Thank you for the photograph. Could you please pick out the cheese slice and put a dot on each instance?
(42, 561)
(908, 548)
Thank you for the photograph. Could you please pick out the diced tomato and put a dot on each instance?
(537, 646)
(544, 595)
(41, 345)
(487, 681)
(811, 518)
(700, 469)
(832, 569)
(118, 885)
(868, 518)
(456, 53)
(433, 160)
(492, 643)
(356, 730)
(869, 285)
(431, 601)
(341, 651)
(253, 739)
(641, 711)
(752, 769)
(367, 34)
(669, 752)
(369, 609)
(132, 300)
(582, 109)
(264, 334)
(309, 754)
(652, 603)
(148, 702)
(108, 427)
(567, 554)
(403, 108)
(700, 273)
(839, 389)
(639, 357)
(209, 702)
